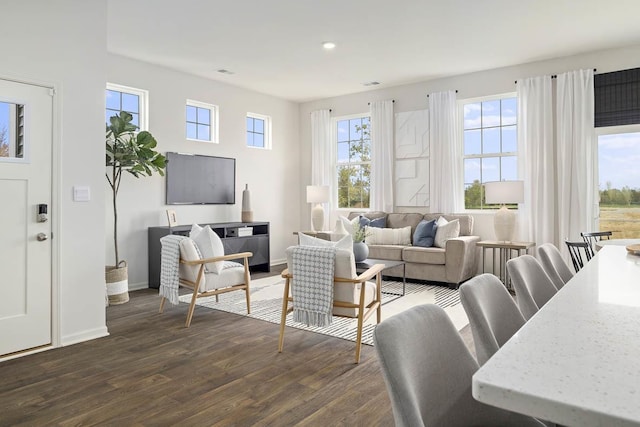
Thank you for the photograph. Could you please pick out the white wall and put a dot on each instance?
(64, 43)
(272, 175)
(414, 97)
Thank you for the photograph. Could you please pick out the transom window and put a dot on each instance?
(123, 98)
(202, 121)
(258, 131)
(353, 136)
(490, 146)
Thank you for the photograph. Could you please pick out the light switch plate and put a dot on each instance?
(81, 193)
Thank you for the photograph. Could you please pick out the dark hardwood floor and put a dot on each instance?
(222, 371)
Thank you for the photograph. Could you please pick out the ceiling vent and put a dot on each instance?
(374, 83)
(223, 71)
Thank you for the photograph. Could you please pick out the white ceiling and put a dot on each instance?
(274, 46)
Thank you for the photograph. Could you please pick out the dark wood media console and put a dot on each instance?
(258, 243)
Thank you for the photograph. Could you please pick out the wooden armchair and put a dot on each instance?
(193, 275)
(354, 295)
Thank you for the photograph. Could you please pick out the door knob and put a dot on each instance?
(41, 237)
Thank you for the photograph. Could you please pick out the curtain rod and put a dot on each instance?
(555, 76)
(393, 100)
(456, 92)
(330, 110)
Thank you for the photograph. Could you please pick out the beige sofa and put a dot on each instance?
(454, 264)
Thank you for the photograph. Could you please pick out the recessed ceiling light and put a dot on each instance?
(328, 45)
(374, 83)
(223, 71)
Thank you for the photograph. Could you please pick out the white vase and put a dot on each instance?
(247, 213)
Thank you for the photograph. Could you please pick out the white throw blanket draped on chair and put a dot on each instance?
(170, 267)
(312, 289)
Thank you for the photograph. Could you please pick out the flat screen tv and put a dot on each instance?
(194, 179)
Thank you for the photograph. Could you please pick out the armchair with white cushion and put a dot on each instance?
(207, 271)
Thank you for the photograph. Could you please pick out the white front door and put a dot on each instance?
(26, 118)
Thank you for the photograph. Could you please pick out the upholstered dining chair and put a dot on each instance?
(532, 285)
(204, 282)
(595, 236)
(354, 296)
(427, 370)
(554, 265)
(575, 249)
(493, 314)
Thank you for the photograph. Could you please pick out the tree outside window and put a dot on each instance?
(354, 162)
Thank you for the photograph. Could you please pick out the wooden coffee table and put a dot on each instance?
(369, 262)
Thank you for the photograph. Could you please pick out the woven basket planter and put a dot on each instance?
(117, 283)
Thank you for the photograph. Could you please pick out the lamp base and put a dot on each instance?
(504, 222)
(317, 217)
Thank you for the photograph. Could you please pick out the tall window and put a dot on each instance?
(618, 156)
(490, 146)
(202, 121)
(354, 162)
(258, 131)
(122, 98)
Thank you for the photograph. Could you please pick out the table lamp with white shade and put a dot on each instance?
(317, 194)
(504, 192)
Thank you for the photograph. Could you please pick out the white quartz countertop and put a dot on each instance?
(577, 361)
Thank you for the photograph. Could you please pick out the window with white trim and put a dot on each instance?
(123, 98)
(353, 161)
(201, 121)
(490, 145)
(618, 155)
(258, 131)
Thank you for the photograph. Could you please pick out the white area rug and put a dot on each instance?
(266, 304)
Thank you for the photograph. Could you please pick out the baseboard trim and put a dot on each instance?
(83, 336)
(138, 286)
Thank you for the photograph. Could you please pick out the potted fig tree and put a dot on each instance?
(134, 152)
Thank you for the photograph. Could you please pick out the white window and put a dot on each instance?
(202, 121)
(490, 145)
(258, 131)
(618, 157)
(12, 130)
(123, 98)
(353, 161)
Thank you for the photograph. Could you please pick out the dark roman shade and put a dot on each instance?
(617, 98)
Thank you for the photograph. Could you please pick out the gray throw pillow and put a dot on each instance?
(425, 233)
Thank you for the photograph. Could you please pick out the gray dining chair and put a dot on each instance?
(493, 314)
(554, 265)
(532, 285)
(427, 369)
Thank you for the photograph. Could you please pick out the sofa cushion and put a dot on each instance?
(349, 224)
(390, 252)
(370, 215)
(466, 221)
(210, 245)
(380, 222)
(399, 220)
(425, 233)
(446, 230)
(388, 236)
(421, 255)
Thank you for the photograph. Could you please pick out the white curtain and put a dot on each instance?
(536, 161)
(321, 147)
(321, 152)
(445, 164)
(381, 156)
(577, 148)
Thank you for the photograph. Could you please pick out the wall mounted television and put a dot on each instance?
(194, 179)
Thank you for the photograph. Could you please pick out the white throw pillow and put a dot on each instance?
(209, 245)
(446, 230)
(388, 236)
(345, 243)
(350, 224)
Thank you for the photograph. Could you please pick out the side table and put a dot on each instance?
(505, 251)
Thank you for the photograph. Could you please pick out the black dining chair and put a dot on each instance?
(575, 251)
(595, 236)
